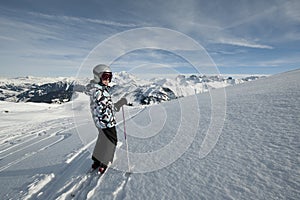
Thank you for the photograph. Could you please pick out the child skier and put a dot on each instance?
(103, 113)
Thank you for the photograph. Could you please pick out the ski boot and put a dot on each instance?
(95, 165)
(102, 168)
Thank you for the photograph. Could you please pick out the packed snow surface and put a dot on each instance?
(45, 150)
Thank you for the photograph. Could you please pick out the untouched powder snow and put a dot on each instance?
(45, 150)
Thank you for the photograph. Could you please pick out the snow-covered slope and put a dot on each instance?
(45, 150)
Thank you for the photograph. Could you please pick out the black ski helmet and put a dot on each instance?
(99, 70)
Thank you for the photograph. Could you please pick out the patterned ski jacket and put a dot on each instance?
(101, 106)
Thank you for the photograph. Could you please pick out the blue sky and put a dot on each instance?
(52, 38)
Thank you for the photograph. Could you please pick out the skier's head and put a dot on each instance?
(102, 73)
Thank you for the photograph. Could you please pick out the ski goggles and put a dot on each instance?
(106, 75)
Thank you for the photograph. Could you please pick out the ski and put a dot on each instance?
(86, 180)
(82, 180)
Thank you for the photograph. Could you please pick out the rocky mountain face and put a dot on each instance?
(57, 92)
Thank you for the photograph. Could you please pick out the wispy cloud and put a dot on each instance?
(293, 60)
(243, 43)
(291, 9)
(7, 38)
(82, 20)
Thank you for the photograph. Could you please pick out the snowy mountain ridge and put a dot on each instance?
(138, 91)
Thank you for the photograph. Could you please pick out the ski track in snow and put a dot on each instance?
(27, 131)
(37, 185)
(64, 181)
(22, 147)
(120, 193)
(256, 156)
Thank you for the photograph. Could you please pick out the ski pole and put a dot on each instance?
(125, 135)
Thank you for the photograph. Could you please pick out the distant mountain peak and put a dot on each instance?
(124, 84)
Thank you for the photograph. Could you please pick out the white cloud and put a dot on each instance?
(291, 9)
(83, 20)
(17, 29)
(280, 62)
(7, 38)
(243, 43)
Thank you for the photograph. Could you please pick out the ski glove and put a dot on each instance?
(120, 103)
